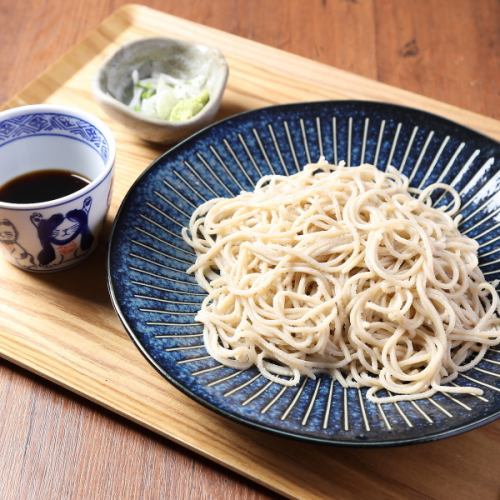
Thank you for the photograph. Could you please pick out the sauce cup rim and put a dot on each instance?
(77, 113)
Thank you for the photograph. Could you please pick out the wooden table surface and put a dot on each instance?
(54, 444)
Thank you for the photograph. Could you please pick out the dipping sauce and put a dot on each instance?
(42, 185)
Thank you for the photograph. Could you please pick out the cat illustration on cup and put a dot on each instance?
(59, 234)
(9, 241)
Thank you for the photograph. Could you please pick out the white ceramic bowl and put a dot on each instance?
(59, 233)
(113, 85)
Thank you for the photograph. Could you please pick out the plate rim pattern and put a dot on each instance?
(424, 437)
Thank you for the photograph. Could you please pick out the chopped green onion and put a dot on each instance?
(170, 98)
(146, 94)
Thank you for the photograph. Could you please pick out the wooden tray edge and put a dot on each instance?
(368, 88)
(127, 12)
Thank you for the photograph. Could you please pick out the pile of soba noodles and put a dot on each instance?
(343, 270)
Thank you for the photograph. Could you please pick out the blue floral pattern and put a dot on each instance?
(49, 123)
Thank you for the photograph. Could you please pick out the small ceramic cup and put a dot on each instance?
(55, 234)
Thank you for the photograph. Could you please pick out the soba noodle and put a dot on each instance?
(341, 270)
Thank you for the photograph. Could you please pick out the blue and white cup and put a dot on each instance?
(55, 234)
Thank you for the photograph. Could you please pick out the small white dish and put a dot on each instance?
(55, 234)
(113, 86)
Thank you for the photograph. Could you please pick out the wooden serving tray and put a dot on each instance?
(62, 326)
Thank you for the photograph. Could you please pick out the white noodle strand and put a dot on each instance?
(341, 270)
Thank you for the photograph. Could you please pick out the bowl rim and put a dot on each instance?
(267, 429)
(77, 113)
(104, 97)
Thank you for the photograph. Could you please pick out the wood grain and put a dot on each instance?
(55, 445)
(445, 49)
(371, 38)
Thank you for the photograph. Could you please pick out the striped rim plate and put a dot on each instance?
(157, 301)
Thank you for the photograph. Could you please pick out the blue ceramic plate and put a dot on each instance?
(157, 301)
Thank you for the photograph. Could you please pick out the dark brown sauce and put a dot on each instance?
(42, 185)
